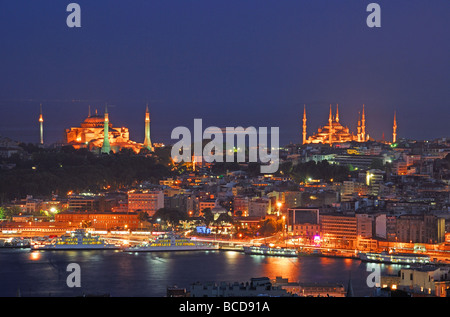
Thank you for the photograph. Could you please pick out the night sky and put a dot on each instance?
(231, 63)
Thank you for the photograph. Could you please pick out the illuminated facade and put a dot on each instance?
(335, 132)
(148, 201)
(98, 134)
(99, 220)
(147, 141)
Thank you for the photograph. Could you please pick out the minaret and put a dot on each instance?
(304, 124)
(41, 126)
(337, 113)
(147, 141)
(359, 127)
(363, 126)
(394, 128)
(330, 130)
(106, 147)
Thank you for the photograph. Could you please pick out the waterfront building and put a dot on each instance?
(302, 215)
(147, 200)
(99, 220)
(364, 225)
(422, 228)
(426, 280)
(339, 230)
(304, 223)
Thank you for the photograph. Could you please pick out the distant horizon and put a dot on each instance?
(231, 63)
(31, 134)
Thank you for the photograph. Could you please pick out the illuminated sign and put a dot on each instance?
(353, 151)
(317, 239)
(203, 229)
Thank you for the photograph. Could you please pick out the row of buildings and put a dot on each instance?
(396, 191)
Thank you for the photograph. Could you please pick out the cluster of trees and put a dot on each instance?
(57, 171)
(6, 213)
(172, 217)
(301, 172)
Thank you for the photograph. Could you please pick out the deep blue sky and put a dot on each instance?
(246, 62)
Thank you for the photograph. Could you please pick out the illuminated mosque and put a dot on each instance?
(98, 134)
(335, 132)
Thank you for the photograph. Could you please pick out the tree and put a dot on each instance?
(143, 216)
(224, 218)
(377, 164)
(208, 216)
(170, 215)
(268, 227)
(10, 212)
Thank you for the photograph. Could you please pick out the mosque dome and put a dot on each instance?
(95, 121)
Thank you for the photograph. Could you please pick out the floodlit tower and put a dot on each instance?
(363, 126)
(106, 147)
(394, 128)
(330, 130)
(41, 126)
(359, 127)
(337, 113)
(304, 124)
(147, 140)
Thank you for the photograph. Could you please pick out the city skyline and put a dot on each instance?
(227, 63)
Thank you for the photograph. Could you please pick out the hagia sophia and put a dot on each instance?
(98, 134)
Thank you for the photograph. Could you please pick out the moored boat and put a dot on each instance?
(394, 258)
(79, 239)
(171, 241)
(268, 250)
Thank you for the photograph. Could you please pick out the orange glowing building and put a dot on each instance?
(95, 129)
(335, 132)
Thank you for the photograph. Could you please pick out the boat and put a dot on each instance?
(15, 243)
(170, 241)
(268, 250)
(79, 239)
(394, 258)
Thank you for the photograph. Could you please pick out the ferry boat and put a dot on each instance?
(79, 239)
(395, 258)
(267, 250)
(171, 241)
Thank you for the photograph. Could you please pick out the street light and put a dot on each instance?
(279, 204)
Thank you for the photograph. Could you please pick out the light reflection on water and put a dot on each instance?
(43, 273)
